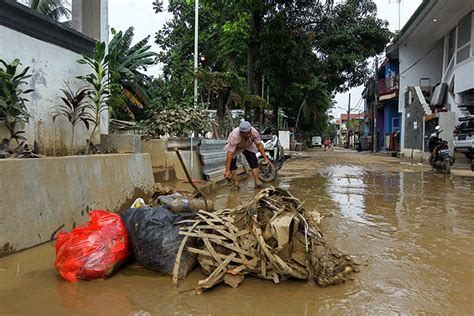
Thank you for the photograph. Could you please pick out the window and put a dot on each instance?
(464, 39)
(462, 54)
(464, 31)
(458, 44)
(451, 41)
(396, 124)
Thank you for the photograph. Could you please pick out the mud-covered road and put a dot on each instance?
(411, 229)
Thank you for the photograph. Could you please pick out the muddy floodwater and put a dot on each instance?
(410, 229)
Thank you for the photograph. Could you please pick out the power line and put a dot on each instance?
(416, 62)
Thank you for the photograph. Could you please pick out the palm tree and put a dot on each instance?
(316, 100)
(55, 9)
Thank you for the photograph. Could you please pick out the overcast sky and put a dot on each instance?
(140, 15)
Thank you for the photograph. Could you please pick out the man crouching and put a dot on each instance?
(244, 139)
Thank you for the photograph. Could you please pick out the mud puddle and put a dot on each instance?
(412, 231)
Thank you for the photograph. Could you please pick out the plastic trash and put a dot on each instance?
(138, 203)
(93, 250)
(155, 240)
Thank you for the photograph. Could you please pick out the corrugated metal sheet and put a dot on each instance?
(213, 158)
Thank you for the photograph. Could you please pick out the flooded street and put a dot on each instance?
(410, 229)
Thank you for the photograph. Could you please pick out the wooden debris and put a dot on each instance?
(271, 237)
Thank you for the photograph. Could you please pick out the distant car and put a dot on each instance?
(316, 141)
(464, 136)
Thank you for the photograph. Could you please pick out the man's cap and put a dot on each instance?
(245, 126)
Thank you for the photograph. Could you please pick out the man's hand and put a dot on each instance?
(265, 160)
(227, 174)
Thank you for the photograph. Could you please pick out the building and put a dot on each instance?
(387, 116)
(51, 50)
(385, 111)
(349, 128)
(435, 50)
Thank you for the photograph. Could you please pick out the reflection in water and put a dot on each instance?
(411, 232)
(347, 189)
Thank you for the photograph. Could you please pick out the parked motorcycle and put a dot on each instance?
(274, 152)
(440, 158)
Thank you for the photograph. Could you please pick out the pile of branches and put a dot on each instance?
(272, 237)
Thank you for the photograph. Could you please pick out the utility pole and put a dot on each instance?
(399, 20)
(374, 104)
(196, 43)
(348, 119)
(399, 12)
(196, 46)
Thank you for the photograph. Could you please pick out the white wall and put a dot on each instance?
(464, 76)
(51, 66)
(419, 58)
(284, 137)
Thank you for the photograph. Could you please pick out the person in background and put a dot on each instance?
(246, 140)
(326, 143)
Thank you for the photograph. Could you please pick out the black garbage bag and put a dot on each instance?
(154, 239)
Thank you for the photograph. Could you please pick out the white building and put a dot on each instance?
(51, 50)
(435, 48)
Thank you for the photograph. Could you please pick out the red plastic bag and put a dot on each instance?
(93, 250)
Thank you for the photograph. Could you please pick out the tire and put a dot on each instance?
(432, 163)
(447, 166)
(469, 156)
(267, 172)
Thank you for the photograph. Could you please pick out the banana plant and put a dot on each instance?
(56, 9)
(127, 63)
(13, 111)
(74, 109)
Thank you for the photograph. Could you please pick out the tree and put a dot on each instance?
(345, 38)
(290, 44)
(56, 9)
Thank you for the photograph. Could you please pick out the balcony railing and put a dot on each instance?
(388, 85)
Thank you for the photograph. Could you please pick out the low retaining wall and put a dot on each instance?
(40, 196)
(163, 156)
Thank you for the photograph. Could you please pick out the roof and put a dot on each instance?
(355, 116)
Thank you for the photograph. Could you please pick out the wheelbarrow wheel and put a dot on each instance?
(267, 172)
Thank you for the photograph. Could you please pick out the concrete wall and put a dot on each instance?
(92, 18)
(51, 66)
(162, 157)
(38, 196)
(413, 126)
